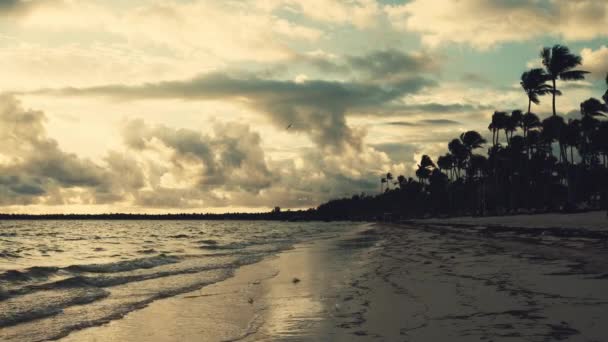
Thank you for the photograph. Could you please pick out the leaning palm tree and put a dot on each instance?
(593, 107)
(559, 62)
(534, 84)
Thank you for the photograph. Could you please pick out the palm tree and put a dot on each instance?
(472, 140)
(559, 62)
(512, 123)
(446, 163)
(552, 131)
(389, 178)
(571, 137)
(460, 155)
(401, 181)
(499, 121)
(382, 181)
(529, 121)
(425, 168)
(593, 107)
(534, 84)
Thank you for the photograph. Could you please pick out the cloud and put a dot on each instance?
(33, 167)
(231, 158)
(157, 159)
(315, 107)
(426, 122)
(473, 77)
(385, 66)
(360, 13)
(164, 168)
(484, 24)
(207, 30)
(596, 61)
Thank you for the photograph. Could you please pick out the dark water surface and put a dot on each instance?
(61, 276)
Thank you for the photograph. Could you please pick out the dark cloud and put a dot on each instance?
(427, 122)
(315, 107)
(35, 165)
(387, 66)
(171, 168)
(474, 78)
(35, 170)
(439, 122)
(403, 109)
(444, 108)
(19, 8)
(402, 123)
(231, 158)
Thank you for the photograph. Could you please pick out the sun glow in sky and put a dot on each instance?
(170, 106)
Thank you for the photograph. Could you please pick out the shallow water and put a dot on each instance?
(61, 276)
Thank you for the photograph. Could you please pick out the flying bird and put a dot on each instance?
(289, 126)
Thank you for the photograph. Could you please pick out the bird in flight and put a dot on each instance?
(289, 126)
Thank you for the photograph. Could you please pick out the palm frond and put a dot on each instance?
(534, 98)
(573, 75)
(545, 55)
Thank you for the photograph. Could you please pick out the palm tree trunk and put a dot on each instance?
(572, 155)
(529, 104)
(554, 89)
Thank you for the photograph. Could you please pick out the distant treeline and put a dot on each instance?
(296, 215)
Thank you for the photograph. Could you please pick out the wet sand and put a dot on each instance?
(391, 283)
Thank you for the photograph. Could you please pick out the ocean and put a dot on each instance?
(61, 276)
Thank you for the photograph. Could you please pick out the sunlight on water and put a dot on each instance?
(60, 276)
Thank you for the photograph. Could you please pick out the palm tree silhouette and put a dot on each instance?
(460, 155)
(425, 168)
(389, 178)
(446, 163)
(534, 84)
(472, 140)
(512, 123)
(559, 62)
(499, 122)
(382, 181)
(529, 121)
(401, 181)
(593, 107)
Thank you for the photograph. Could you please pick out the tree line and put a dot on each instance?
(530, 165)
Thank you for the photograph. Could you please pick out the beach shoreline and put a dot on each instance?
(390, 282)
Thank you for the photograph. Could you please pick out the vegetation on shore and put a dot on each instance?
(531, 165)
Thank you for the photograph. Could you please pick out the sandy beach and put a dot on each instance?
(391, 283)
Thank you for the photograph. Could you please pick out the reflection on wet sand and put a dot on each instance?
(389, 284)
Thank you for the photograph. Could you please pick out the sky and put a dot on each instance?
(155, 106)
